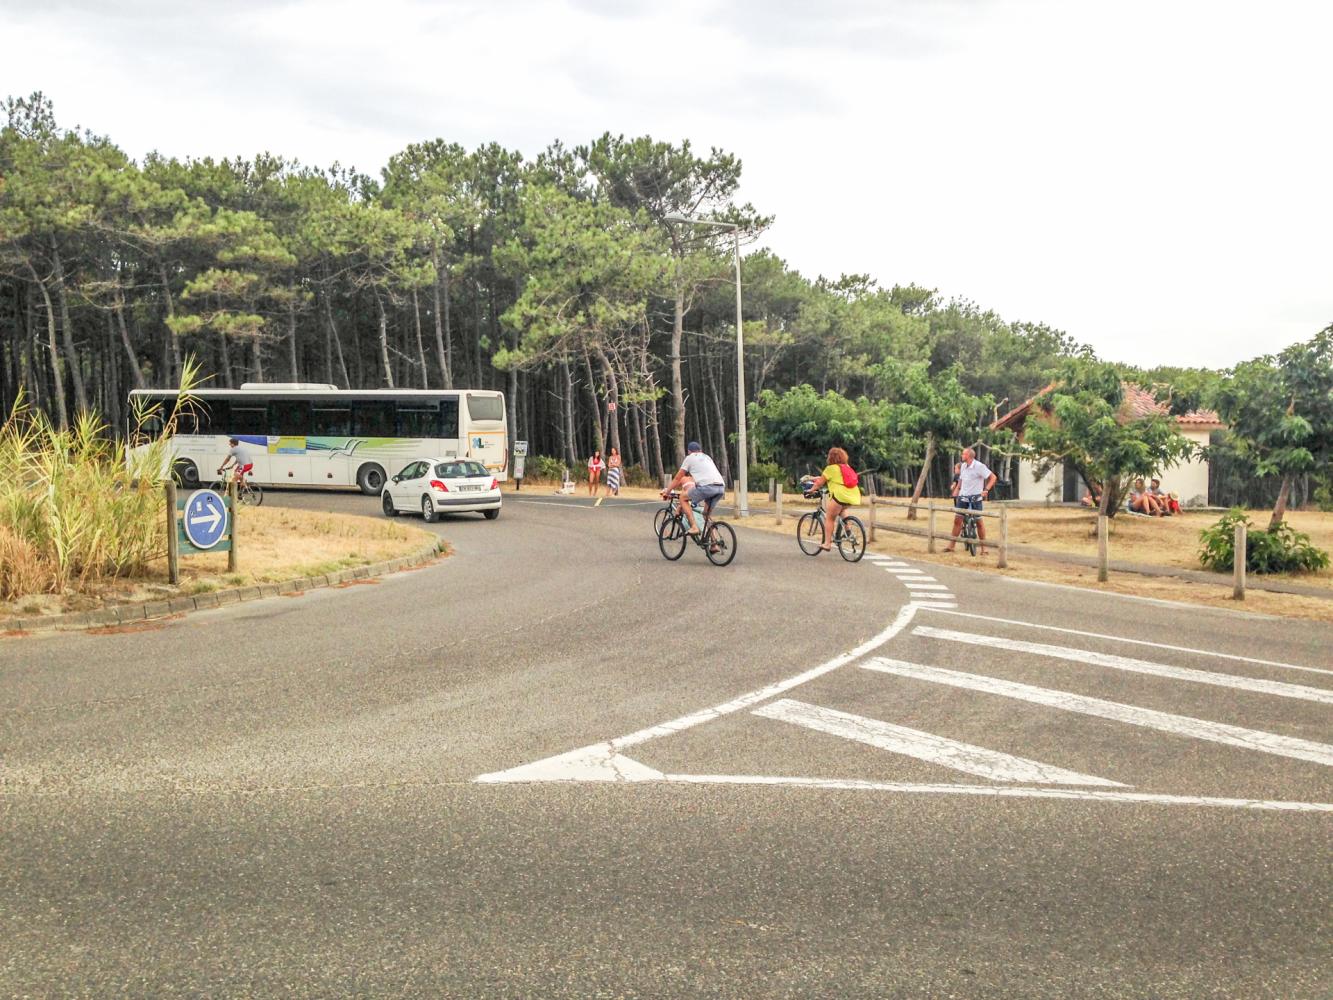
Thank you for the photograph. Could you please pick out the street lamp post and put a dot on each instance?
(742, 449)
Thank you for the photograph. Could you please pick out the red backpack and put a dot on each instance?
(849, 476)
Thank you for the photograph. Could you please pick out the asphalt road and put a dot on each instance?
(1069, 796)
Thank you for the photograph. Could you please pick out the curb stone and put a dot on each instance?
(138, 612)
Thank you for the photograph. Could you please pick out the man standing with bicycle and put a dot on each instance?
(708, 488)
(974, 485)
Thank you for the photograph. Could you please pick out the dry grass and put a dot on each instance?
(274, 544)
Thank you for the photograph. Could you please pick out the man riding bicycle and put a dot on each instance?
(975, 481)
(236, 459)
(708, 484)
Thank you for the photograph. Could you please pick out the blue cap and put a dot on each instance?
(694, 446)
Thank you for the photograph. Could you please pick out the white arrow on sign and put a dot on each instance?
(211, 518)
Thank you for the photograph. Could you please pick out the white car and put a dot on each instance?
(436, 486)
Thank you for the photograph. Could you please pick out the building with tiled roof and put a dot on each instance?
(1189, 479)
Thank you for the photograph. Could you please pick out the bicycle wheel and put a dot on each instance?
(852, 539)
(671, 538)
(218, 487)
(969, 535)
(810, 533)
(720, 543)
(662, 514)
(253, 495)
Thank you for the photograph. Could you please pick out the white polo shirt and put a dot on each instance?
(972, 479)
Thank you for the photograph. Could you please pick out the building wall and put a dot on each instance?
(1032, 487)
(1190, 479)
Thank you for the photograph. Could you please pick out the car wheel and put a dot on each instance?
(389, 509)
(491, 515)
(428, 509)
(370, 478)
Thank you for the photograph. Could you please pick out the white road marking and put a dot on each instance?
(1256, 684)
(929, 747)
(1000, 791)
(1145, 642)
(939, 605)
(1179, 725)
(912, 585)
(604, 758)
(556, 503)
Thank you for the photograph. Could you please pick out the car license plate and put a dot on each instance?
(468, 489)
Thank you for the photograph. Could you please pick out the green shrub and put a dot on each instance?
(637, 475)
(761, 472)
(542, 469)
(1323, 495)
(1281, 550)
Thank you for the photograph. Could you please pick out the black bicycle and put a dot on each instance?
(968, 532)
(849, 534)
(718, 539)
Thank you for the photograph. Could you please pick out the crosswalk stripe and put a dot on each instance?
(1001, 791)
(1179, 725)
(1256, 684)
(925, 586)
(929, 747)
(1143, 642)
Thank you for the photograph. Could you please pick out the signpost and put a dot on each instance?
(201, 522)
(520, 453)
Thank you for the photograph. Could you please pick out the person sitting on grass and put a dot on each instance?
(1140, 501)
(1166, 502)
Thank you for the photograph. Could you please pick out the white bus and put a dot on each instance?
(302, 434)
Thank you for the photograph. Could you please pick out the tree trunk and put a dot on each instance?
(57, 373)
(598, 441)
(421, 348)
(337, 342)
(925, 473)
(613, 387)
(136, 372)
(172, 341)
(448, 336)
(677, 388)
(441, 350)
(291, 342)
(226, 361)
(1280, 508)
(720, 426)
(67, 332)
(567, 407)
(258, 351)
(384, 340)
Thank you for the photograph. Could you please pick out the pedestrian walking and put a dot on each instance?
(613, 472)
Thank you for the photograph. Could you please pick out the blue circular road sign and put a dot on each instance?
(205, 519)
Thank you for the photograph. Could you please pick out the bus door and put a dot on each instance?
(487, 436)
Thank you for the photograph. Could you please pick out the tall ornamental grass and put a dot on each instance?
(77, 509)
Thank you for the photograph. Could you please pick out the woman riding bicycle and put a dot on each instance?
(843, 487)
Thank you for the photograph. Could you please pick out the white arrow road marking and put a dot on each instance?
(1279, 688)
(926, 746)
(1166, 722)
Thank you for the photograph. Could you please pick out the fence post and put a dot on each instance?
(233, 494)
(872, 499)
(1003, 561)
(1238, 557)
(1103, 546)
(173, 541)
(777, 505)
(771, 484)
(930, 526)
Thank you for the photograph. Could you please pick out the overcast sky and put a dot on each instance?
(1156, 178)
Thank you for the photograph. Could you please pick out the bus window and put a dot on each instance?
(248, 420)
(330, 421)
(213, 416)
(419, 420)
(485, 407)
(449, 418)
(372, 418)
(288, 417)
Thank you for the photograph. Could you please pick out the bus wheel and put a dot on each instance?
(186, 473)
(370, 478)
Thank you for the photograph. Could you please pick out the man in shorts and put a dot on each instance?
(236, 459)
(974, 485)
(708, 483)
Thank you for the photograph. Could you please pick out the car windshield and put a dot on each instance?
(459, 470)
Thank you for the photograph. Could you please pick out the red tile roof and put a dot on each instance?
(1138, 403)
